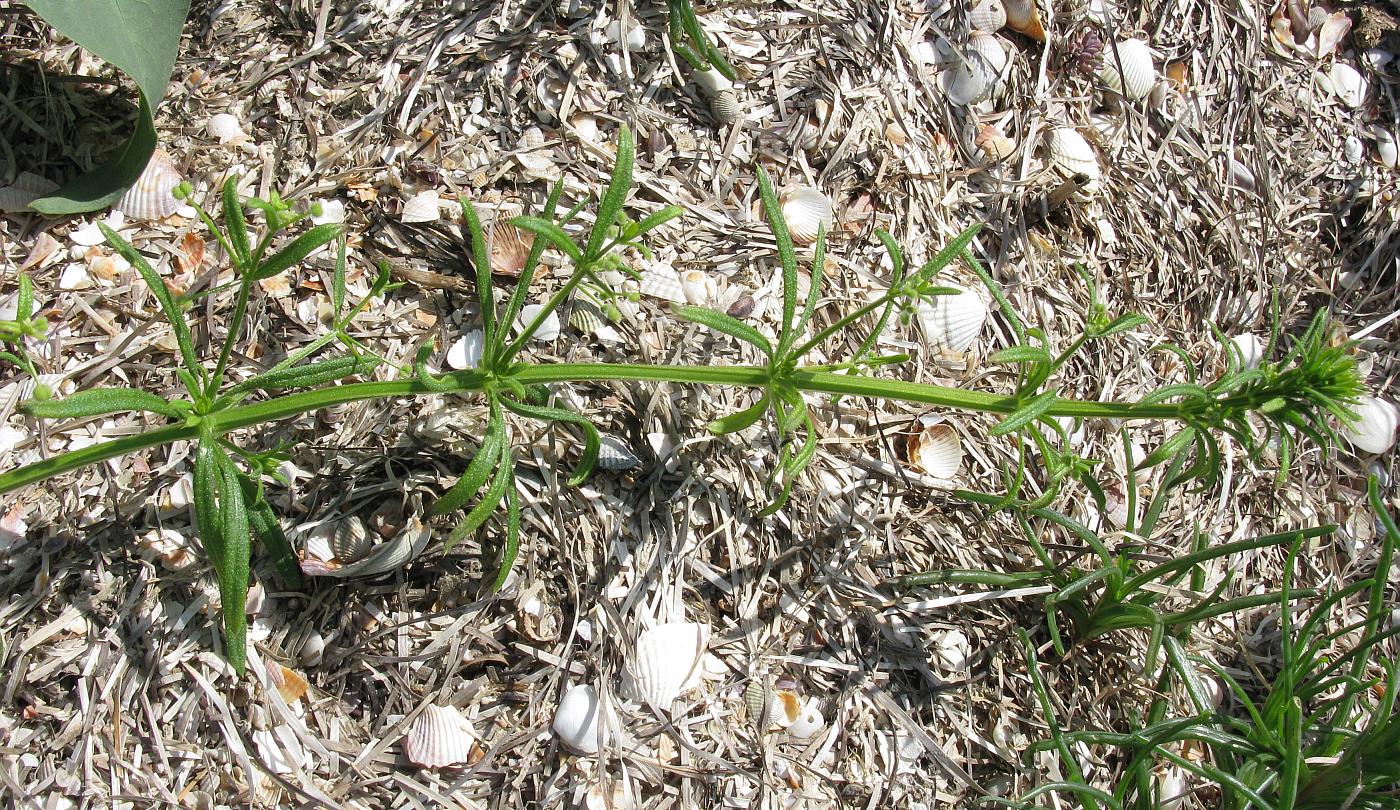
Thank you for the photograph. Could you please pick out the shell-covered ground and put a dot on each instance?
(1252, 174)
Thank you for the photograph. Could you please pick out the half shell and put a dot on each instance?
(666, 662)
(986, 15)
(660, 280)
(1022, 17)
(953, 322)
(150, 198)
(351, 541)
(226, 128)
(386, 556)
(576, 723)
(614, 454)
(806, 210)
(549, 329)
(976, 75)
(724, 106)
(936, 451)
(809, 720)
(770, 707)
(439, 738)
(465, 353)
(1348, 85)
(425, 206)
(1072, 155)
(1137, 77)
(1374, 429)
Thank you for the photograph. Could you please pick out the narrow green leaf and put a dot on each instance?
(723, 322)
(814, 287)
(591, 440)
(736, 422)
(793, 467)
(949, 252)
(100, 401)
(618, 188)
(505, 476)
(299, 249)
(164, 299)
(1122, 323)
(268, 529)
(481, 262)
(1187, 391)
(24, 304)
(1028, 413)
(1021, 354)
(655, 220)
(512, 545)
(1168, 449)
(551, 232)
(420, 371)
(309, 375)
(233, 574)
(234, 223)
(474, 477)
(338, 280)
(786, 256)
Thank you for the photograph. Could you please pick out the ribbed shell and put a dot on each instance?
(1022, 17)
(440, 737)
(936, 451)
(226, 128)
(351, 541)
(425, 206)
(953, 322)
(986, 15)
(666, 662)
(1137, 77)
(576, 722)
(711, 82)
(806, 209)
(770, 707)
(975, 77)
(510, 247)
(614, 454)
(661, 281)
(586, 317)
(150, 197)
(1374, 430)
(387, 556)
(1072, 155)
(724, 106)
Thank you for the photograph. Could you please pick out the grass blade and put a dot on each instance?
(235, 224)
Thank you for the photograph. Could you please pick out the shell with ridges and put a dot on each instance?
(351, 541)
(986, 15)
(150, 198)
(1374, 430)
(1072, 155)
(577, 720)
(1137, 76)
(440, 737)
(806, 209)
(666, 662)
(936, 451)
(724, 106)
(425, 206)
(660, 280)
(953, 322)
(614, 454)
(387, 556)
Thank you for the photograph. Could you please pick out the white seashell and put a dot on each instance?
(936, 451)
(90, 235)
(661, 281)
(724, 106)
(1374, 430)
(74, 277)
(993, 145)
(806, 209)
(974, 78)
(1251, 349)
(635, 38)
(953, 322)
(577, 723)
(1022, 17)
(1071, 155)
(616, 798)
(440, 737)
(1138, 76)
(465, 353)
(549, 329)
(1385, 146)
(226, 128)
(332, 213)
(151, 198)
(986, 15)
(387, 556)
(176, 497)
(666, 662)
(425, 206)
(283, 752)
(585, 126)
(1348, 85)
(351, 541)
(698, 287)
(809, 720)
(313, 649)
(26, 188)
(1353, 150)
(614, 454)
(951, 650)
(711, 82)
(1171, 787)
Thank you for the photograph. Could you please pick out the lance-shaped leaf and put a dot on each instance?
(311, 374)
(481, 259)
(736, 422)
(299, 249)
(505, 477)
(723, 322)
(793, 467)
(1122, 323)
(512, 544)
(591, 440)
(235, 224)
(421, 373)
(474, 478)
(1168, 449)
(787, 257)
(618, 187)
(102, 401)
(654, 220)
(551, 232)
(1028, 413)
(223, 529)
(268, 530)
(1021, 354)
(163, 297)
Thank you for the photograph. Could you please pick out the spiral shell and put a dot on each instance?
(986, 15)
(1071, 155)
(151, 198)
(977, 74)
(1137, 76)
(936, 451)
(666, 662)
(1374, 429)
(439, 738)
(953, 322)
(806, 210)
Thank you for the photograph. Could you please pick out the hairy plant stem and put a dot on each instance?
(291, 405)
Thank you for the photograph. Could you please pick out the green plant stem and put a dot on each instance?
(469, 381)
(239, 310)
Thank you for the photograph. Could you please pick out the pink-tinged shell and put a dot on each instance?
(995, 146)
(806, 210)
(151, 198)
(936, 451)
(439, 738)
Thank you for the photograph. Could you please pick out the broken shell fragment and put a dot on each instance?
(577, 721)
(425, 206)
(226, 128)
(936, 451)
(150, 198)
(439, 738)
(614, 454)
(465, 353)
(549, 328)
(1136, 77)
(666, 662)
(952, 322)
(806, 210)
(808, 722)
(1374, 429)
(993, 145)
(770, 707)
(711, 82)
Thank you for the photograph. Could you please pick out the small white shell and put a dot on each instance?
(1171, 787)
(313, 649)
(951, 650)
(1374, 431)
(1251, 349)
(635, 38)
(1071, 155)
(425, 206)
(711, 82)
(351, 541)
(549, 329)
(936, 451)
(577, 721)
(332, 213)
(666, 662)
(724, 106)
(809, 720)
(465, 353)
(440, 737)
(953, 322)
(150, 198)
(1385, 146)
(614, 454)
(698, 287)
(974, 77)
(660, 280)
(1348, 85)
(1137, 77)
(986, 15)
(226, 128)
(806, 209)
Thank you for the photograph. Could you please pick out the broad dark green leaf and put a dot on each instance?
(299, 249)
(100, 401)
(723, 322)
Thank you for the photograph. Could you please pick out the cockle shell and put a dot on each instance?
(549, 329)
(1348, 85)
(150, 198)
(950, 650)
(387, 556)
(1374, 429)
(614, 454)
(953, 322)
(510, 248)
(769, 706)
(724, 106)
(993, 145)
(425, 206)
(439, 738)
(1071, 155)
(351, 541)
(1137, 76)
(577, 722)
(660, 280)
(806, 210)
(974, 77)
(666, 662)
(936, 451)
(986, 15)
(808, 722)
(1022, 17)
